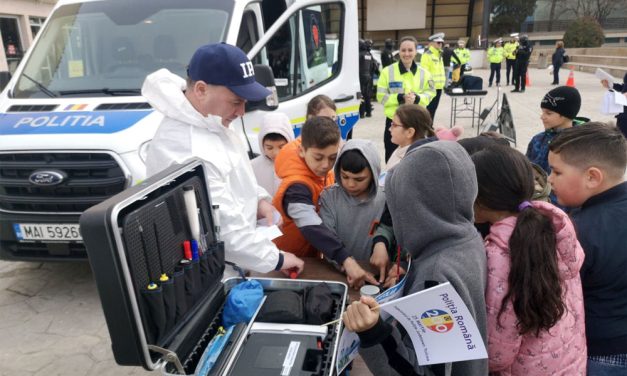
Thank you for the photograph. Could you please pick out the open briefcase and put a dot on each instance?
(163, 296)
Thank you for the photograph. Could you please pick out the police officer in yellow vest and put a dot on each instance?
(510, 56)
(431, 61)
(495, 57)
(462, 52)
(403, 82)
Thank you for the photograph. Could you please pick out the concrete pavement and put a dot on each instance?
(51, 322)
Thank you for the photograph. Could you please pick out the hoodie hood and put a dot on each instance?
(275, 122)
(569, 253)
(369, 151)
(165, 92)
(430, 194)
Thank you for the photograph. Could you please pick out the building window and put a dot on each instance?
(35, 24)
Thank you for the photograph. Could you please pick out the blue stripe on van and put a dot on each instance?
(69, 122)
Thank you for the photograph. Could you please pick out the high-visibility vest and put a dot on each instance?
(496, 54)
(510, 50)
(431, 60)
(392, 82)
(463, 54)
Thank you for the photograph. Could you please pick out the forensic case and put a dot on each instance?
(158, 265)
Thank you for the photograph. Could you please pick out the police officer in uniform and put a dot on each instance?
(387, 56)
(495, 57)
(367, 67)
(400, 83)
(432, 61)
(523, 53)
(510, 57)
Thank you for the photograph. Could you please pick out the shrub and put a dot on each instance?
(584, 32)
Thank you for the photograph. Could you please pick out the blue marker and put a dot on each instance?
(194, 250)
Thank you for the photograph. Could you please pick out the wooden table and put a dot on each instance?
(318, 269)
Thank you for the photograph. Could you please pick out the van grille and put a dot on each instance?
(123, 106)
(32, 108)
(89, 179)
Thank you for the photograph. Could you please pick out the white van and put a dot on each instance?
(74, 128)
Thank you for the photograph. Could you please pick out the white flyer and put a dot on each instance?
(439, 324)
(603, 75)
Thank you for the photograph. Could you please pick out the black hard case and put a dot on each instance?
(124, 262)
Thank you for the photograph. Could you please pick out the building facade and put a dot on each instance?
(20, 21)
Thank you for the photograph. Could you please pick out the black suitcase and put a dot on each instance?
(163, 311)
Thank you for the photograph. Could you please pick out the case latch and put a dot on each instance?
(169, 356)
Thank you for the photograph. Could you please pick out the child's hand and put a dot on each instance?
(355, 275)
(359, 317)
(380, 259)
(393, 276)
(605, 84)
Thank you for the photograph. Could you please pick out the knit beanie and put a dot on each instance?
(564, 100)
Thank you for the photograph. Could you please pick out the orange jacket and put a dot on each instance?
(292, 169)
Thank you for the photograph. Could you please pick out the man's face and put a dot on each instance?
(356, 184)
(219, 101)
(320, 161)
(551, 119)
(271, 148)
(567, 182)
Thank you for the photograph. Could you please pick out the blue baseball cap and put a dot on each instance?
(225, 65)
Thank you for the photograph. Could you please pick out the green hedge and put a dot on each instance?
(584, 32)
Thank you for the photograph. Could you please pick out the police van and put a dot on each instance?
(74, 128)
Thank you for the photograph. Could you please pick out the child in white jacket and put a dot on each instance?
(276, 131)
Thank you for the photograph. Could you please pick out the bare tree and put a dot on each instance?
(597, 9)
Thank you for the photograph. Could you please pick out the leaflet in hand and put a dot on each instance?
(603, 75)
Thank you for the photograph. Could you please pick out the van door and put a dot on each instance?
(312, 49)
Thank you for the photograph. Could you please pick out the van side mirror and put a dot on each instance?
(5, 77)
(264, 75)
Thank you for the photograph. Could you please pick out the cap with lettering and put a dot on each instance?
(439, 37)
(224, 65)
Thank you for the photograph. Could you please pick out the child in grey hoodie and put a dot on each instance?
(276, 132)
(351, 205)
(430, 195)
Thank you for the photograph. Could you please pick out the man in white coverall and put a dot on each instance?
(197, 114)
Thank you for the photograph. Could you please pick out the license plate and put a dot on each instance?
(47, 231)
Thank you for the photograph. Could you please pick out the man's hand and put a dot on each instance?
(355, 275)
(358, 317)
(291, 263)
(266, 210)
(410, 98)
(393, 276)
(380, 259)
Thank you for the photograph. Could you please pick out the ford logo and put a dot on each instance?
(49, 177)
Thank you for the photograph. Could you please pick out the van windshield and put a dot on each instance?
(108, 47)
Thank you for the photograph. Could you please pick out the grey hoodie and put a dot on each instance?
(351, 219)
(433, 220)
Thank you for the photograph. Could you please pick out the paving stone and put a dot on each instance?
(70, 365)
(36, 342)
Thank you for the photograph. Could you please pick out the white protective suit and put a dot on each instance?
(185, 133)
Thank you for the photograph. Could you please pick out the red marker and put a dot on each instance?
(293, 273)
(187, 249)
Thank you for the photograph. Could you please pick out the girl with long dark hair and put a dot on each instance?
(534, 298)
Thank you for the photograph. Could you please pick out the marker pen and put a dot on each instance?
(191, 207)
(216, 220)
(187, 250)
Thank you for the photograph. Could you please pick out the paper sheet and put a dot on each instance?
(603, 75)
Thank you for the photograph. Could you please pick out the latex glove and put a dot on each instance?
(266, 210)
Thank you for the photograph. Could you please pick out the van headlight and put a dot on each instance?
(143, 151)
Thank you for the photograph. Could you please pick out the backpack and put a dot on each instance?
(566, 58)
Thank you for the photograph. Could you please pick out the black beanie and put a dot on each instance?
(564, 100)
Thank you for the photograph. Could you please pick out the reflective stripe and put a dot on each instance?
(385, 99)
(391, 73)
(382, 90)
